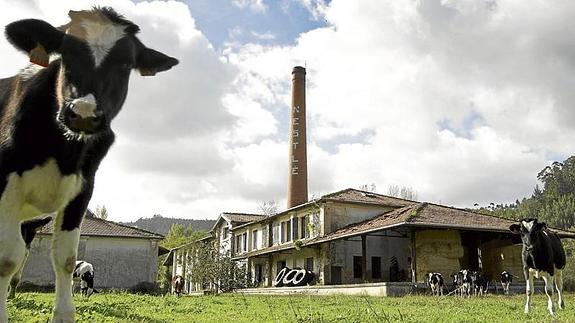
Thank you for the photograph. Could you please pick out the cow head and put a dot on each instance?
(529, 229)
(98, 50)
(87, 283)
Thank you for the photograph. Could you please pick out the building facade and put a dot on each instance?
(353, 236)
(122, 256)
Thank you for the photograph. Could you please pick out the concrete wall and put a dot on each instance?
(118, 262)
(339, 215)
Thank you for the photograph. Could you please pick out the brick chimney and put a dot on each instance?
(297, 178)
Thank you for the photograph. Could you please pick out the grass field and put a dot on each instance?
(117, 307)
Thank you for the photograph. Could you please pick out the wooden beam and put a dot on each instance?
(364, 257)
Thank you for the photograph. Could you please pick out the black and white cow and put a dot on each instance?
(178, 283)
(479, 283)
(435, 281)
(506, 280)
(55, 131)
(543, 255)
(28, 230)
(457, 283)
(466, 282)
(84, 273)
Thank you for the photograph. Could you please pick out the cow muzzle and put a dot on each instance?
(82, 116)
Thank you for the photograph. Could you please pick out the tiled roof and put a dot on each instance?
(243, 217)
(93, 226)
(430, 216)
(348, 195)
(423, 215)
(358, 196)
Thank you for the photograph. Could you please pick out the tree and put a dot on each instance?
(368, 187)
(268, 207)
(101, 212)
(403, 192)
(213, 270)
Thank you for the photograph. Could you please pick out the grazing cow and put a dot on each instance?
(543, 255)
(84, 272)
(465, 282)
(55, 130)
(178, 283)
(479, 283)
(506, 280)
(435, 281)
(28, 230)
(457, 283)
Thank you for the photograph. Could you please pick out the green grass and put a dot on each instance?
(118, 307)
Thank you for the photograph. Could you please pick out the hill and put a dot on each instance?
(162, 225)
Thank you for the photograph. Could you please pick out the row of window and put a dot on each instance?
(282, 232)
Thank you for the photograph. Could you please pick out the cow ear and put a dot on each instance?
(150, 62)
(36, 38)
(541, 225)
(515, 228)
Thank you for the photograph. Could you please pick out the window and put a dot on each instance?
(357, 270)
(376, 267)
(245, 242)
(288, 230)
(236, 244)
(255, 244)
(283, 231)
(304, 227)
(309, 263)
(294, 222)
(276, 233)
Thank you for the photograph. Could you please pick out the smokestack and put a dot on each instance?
(297, 178)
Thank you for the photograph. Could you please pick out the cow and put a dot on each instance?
(28, 229)
(479, 283)
(55, 130)
(506, 280)
(435, 281)
(466, 282)
(543, 255)
(178, 283)
(457, 283)
(84, 273)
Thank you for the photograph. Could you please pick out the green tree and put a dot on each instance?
(101, 212)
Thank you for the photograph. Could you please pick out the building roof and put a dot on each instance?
(429, 215)
(351, 195)
(348, 195)
(422, 215)
(93, 226)
(242, 217)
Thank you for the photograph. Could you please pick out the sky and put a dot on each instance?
(463, 101)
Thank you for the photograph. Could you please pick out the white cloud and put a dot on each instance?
(497, 72)
(255, 5)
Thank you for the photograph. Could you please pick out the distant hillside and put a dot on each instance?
(162, 225)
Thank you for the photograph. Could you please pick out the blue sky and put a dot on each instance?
(280, 23)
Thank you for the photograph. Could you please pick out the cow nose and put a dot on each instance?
(78, 123)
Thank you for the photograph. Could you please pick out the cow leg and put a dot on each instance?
(64, 248)
(559, 287)
(528, 289)
(12, 249)
(17, 276)
(548, 290)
